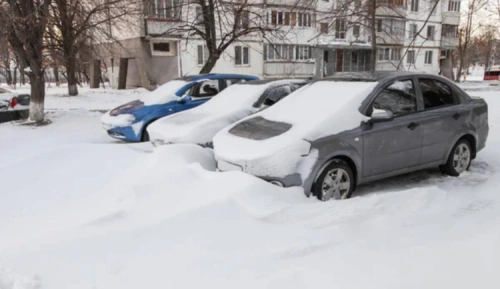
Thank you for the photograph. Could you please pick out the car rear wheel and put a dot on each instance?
(335, 181)
(145, 135)
(459, 159)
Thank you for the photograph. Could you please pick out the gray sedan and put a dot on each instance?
(340, 132)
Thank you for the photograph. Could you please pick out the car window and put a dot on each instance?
(204, 89)
(398, 97)
(234, 81)
(275, 94)
(297, 85)
(435, 93)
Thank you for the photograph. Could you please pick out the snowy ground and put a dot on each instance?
(80, 210)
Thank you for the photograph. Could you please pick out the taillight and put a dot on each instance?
(13, 102)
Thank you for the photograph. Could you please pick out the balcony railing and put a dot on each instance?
(285, 69)
(450, 17)
(449, 42)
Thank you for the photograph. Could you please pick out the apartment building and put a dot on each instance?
(312, 40)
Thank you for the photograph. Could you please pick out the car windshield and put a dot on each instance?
(165, 93)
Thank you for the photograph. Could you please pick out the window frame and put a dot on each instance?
(417, 100)
(456, 98)
(431, 52)
(242, 55)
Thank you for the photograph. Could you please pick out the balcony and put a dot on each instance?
(449, 42)
(451, 18)
(287, 69)
(387, 38)
(398, 11)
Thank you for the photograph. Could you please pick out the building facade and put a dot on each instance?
(311, 40)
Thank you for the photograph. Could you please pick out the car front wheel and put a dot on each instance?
(459, 159)
(335, 181)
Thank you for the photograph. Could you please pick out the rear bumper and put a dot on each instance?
(11, 115)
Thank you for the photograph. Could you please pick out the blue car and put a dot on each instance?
(129, 121)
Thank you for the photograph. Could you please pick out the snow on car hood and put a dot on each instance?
(200, 124)
(165, 93)
(320, 109)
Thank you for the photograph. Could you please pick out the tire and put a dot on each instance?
(145, 135)
(330, 185)
(459, 159)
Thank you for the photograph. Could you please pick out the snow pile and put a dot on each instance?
(165, 93)
(79, 211)
(320, 109)
(200, 124)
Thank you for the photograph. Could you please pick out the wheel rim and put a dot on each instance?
(461, 158)
(336, 184)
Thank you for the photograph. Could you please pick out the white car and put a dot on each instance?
(199, 125)
(13, 101)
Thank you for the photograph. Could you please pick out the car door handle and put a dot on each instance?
(413, 125)
(457, 115)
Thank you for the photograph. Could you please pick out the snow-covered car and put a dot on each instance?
(13, 101)
(129, 121)
(13, 106)
(354, 128)
(200, 124)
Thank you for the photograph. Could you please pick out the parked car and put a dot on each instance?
(351, 129)
(13, 105)
(200, 124)
(129, 121)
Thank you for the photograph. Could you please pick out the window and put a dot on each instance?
(428, 57)
(206, 88)
(379, 25)
(454, 6)
(413, 31)
(161, 47)
(241, 55)
(450, 31)
(414, 5)
(290, 19)
(391, 26)
(430, 32)
(383, 53)
(169, 9)
(340, 29)
(303, 52)
(410, 57)
(395, 54)
(398, 97)
(243, 19)
(323, 28)
(199, 15)
(391, 2)
(355, 30)
(435, 93)
(433, 6)
(202, 54)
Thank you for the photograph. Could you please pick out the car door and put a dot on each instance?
(443, 118)
(393, 145)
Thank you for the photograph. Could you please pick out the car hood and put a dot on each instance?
(128, 108)
(192, 127)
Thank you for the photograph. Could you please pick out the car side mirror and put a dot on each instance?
(381, 115)
(185, 98)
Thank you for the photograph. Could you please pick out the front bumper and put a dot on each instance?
(123, 133)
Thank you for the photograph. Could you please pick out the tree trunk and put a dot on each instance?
(56, 75)
(72, 83)
(14, 80)
(373, 31)
(22, 78)
(209, 65)
(37, 97)
(8, 76)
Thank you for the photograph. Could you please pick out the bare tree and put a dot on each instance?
(77, 23)
(5, 60)
(24, 24)
(469, 27)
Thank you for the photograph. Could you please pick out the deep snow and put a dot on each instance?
(80, 210)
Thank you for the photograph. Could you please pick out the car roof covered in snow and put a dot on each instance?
(217, 76)
(266, 81)
(369, 76)
(3, 90)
